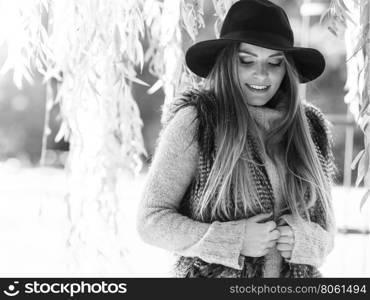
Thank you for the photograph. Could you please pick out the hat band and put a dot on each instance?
(267, 39)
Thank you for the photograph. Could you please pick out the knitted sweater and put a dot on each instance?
(265, 117)
(160, 224)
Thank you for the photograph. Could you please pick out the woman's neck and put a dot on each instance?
(265, 116)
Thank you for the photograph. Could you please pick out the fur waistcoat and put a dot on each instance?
(253, 267)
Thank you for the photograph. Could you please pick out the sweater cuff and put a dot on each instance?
(311, 242)
(222, 244)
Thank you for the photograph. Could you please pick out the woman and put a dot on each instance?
(240, 182)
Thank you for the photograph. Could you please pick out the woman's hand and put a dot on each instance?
(259, 237)
(285, 242)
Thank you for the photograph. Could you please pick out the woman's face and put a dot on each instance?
(261, 71)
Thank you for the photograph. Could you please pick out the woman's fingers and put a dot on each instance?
(275, 234)
(286, 254)
(271, 225)
(271, 244)
(284, 247)
(260, 217)
(286, 240)
(285, 231)
(281, 222)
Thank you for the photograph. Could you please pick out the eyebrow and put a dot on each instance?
(253, 54)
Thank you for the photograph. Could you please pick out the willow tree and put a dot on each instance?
(92, 49)
(166, 21)
(351, 20)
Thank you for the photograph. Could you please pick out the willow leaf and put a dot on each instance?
(345, 11)
(364, 199)
(357, 158)
(63, 132)
(363, 166)
(155, 87)
(332, 30)
(137, 80)
(325, 16)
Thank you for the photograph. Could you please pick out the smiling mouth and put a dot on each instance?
(258, 88)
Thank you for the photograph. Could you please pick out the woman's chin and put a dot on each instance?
(257, 103)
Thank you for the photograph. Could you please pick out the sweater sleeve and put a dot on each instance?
(312, 243)
(158, 221)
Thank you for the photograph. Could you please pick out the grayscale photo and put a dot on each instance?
(184, 139)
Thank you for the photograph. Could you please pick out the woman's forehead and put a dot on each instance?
(257, 50)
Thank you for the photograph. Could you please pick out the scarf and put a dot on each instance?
(265, 117)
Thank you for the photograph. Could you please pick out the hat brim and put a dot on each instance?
(200, 57)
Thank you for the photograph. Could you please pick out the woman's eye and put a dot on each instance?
(245, 62)
(276, 64)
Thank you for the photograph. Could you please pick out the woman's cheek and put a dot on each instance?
(281, 73)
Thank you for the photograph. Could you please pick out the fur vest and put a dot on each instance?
(194, 266)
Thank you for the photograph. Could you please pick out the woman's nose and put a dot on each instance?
(261, 70)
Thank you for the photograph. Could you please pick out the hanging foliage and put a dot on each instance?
(221, 8)
(97, 49)
(351, 20)
(25, 36)
(164, 23)
(165, 52)
(93, 50)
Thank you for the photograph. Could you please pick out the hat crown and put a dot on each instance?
(258, 16)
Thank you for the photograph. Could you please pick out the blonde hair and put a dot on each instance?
(231, 174)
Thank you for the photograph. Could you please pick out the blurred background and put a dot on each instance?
(32, 210)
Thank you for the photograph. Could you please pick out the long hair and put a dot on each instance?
(231, 174)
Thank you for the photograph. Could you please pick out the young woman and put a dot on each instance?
(240, 182)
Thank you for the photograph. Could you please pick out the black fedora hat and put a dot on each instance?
(261, 23)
